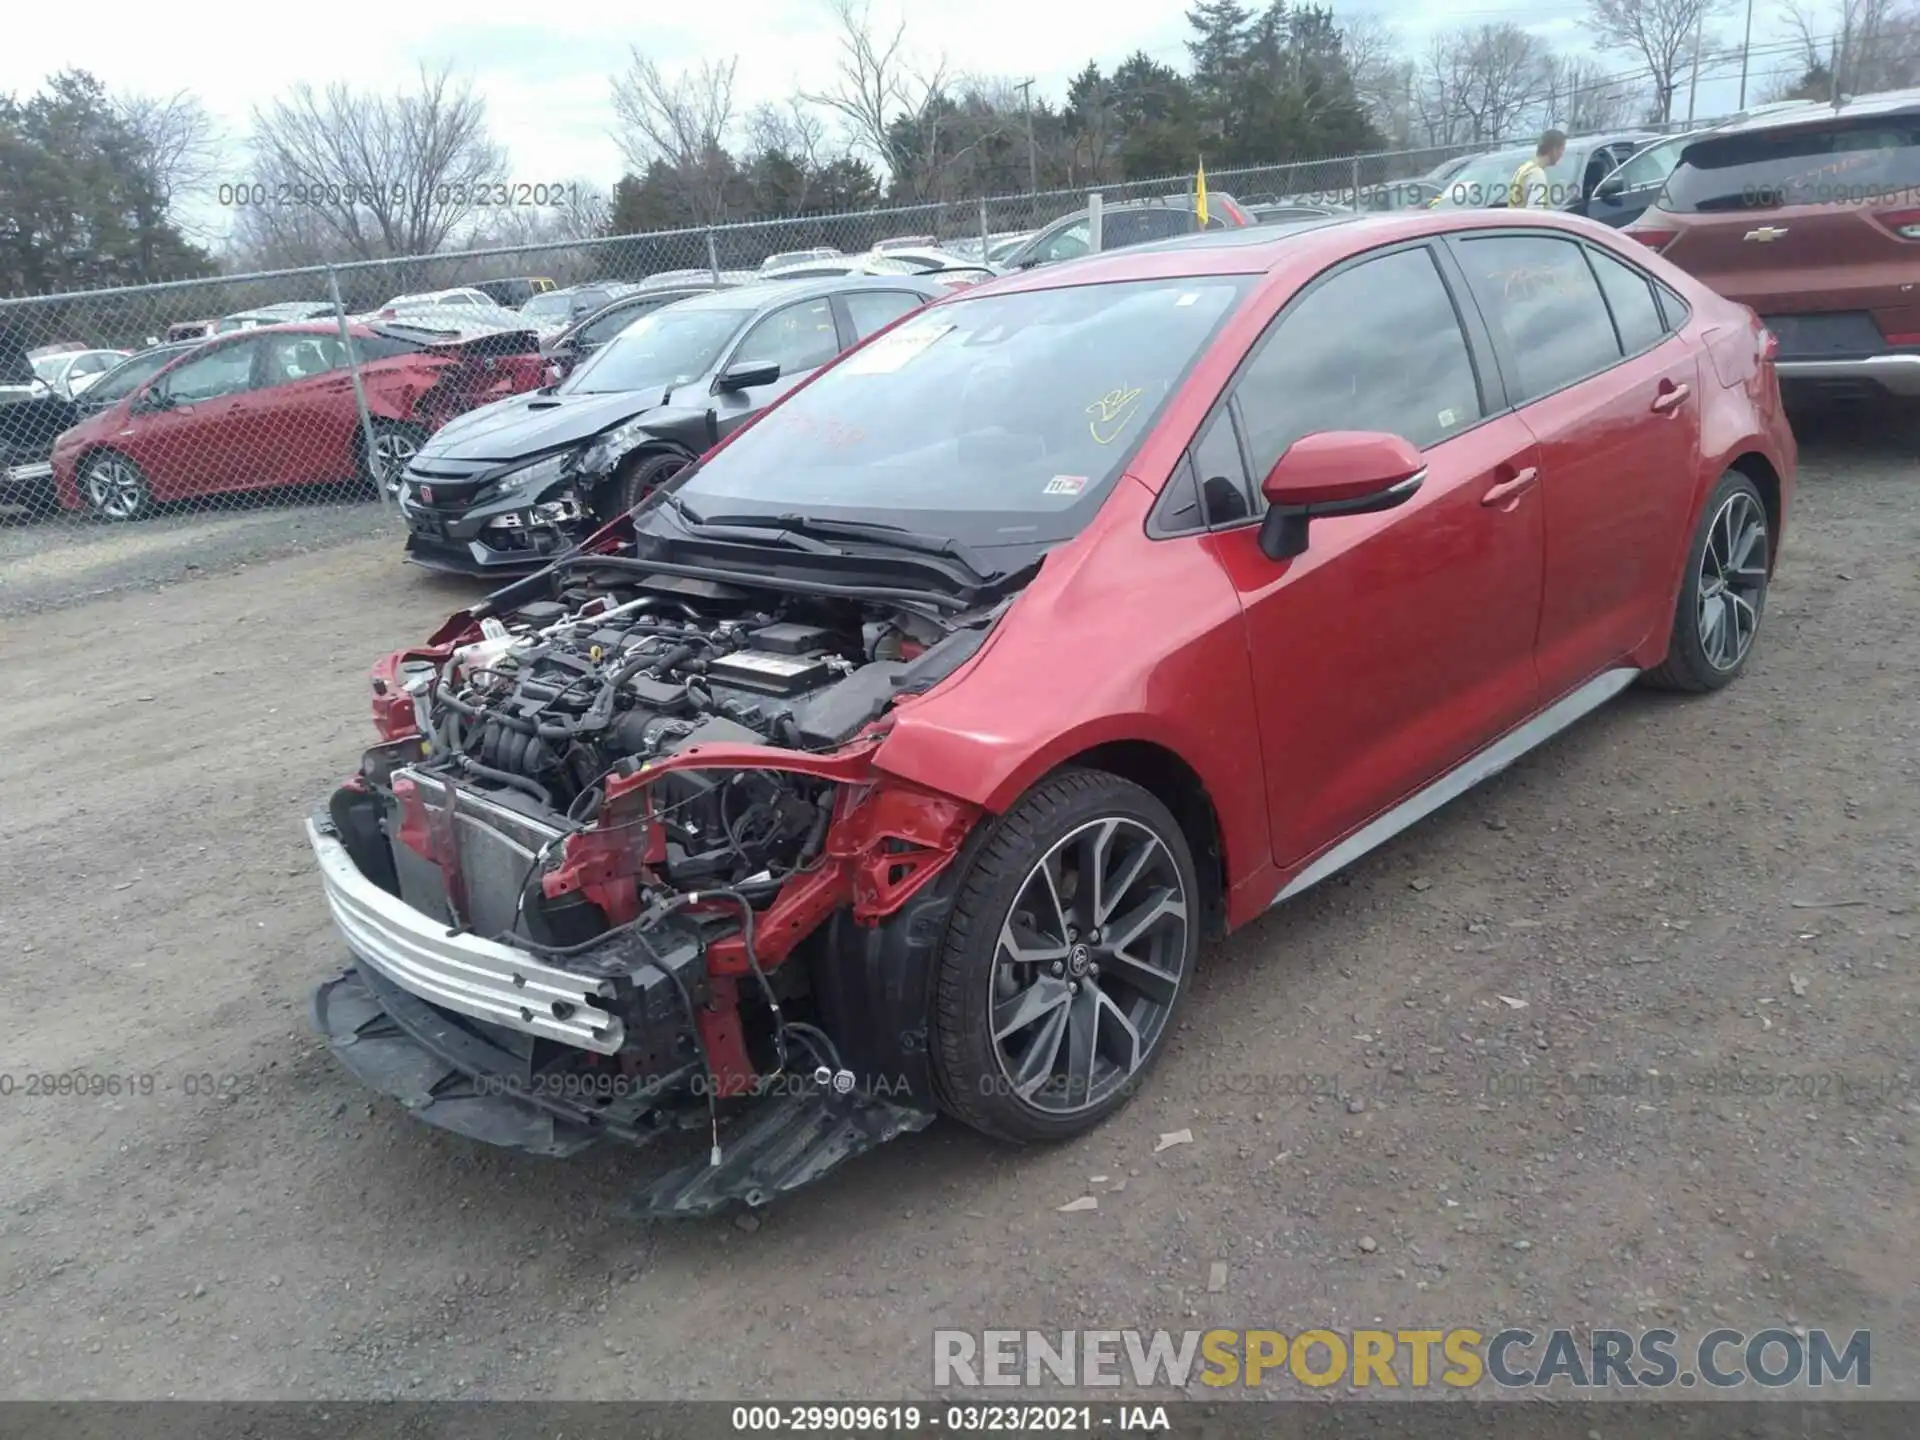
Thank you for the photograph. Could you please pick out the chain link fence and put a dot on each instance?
(318, 385)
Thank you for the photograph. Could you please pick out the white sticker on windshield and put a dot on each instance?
(1189, 298)
(896, 348)
(1066, 485)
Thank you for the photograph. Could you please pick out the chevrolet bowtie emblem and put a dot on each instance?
(1765, 233)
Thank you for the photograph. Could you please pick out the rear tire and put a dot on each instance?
(639, 479)
(1724, 594)
(1068, 951)
(115, 488)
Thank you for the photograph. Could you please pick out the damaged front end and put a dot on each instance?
(623, 868)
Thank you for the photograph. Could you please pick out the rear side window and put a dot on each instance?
(1537, 291)
(872, 310)
(1376, 347)
(1630, 297)
(1120, 228)
(1856, 163)
(605, 327)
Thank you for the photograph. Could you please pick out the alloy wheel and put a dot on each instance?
(1088, 965)
(392, 449)
(115, 489)
(1733, 580)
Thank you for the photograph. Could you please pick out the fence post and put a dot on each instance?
(713, 258)
(389, 493)
(1094, 203)
(986, 235)
(1356, 182)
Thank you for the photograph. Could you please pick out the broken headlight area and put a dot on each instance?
(618, 870)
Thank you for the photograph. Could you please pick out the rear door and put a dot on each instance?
(306, 417)
(1613, 399)
(1807, 224)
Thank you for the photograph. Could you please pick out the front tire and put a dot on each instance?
(395, 443)
(115, 488)
(1724, 593)
(639, 480)
(1070, 945)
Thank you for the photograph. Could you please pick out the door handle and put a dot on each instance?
(1508, 490)
(1672, 399)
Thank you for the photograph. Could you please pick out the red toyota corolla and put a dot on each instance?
(274, 406)
(899, 756)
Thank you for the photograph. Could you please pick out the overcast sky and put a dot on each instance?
(546, 79)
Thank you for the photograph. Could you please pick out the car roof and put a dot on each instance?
(1255, 250)
(1813, 113)
(771, 292)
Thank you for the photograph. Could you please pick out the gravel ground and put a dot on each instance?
(1679, 887)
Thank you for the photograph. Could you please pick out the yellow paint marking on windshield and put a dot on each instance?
(1111, 412)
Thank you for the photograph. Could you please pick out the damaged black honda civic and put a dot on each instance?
(505, 489)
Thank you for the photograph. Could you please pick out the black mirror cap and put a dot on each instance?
(746, 375)
(1283, 529)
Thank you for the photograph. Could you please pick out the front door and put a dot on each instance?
(1401, 642)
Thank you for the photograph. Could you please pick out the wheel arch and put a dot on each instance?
(1162, 773)
(1757, 468)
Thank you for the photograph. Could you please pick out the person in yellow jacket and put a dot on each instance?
(1530, 189)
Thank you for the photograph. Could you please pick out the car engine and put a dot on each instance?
(558, 698)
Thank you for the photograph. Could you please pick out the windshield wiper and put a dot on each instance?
(779, 534)
(897, 536)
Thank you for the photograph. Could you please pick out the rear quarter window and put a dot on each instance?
(1856, 163)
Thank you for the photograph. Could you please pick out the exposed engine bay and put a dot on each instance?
(622, 823)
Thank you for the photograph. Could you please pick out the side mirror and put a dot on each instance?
(1335, 472)
(1611, 188)
(150, 400)
(746, 375)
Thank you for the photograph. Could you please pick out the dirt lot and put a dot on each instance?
(1674, 887)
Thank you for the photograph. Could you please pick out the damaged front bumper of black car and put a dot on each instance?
(495, 1044)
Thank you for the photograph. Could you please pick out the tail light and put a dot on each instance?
(1904, 223)
(1654, 240)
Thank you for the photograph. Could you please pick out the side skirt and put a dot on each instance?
(1464, 776)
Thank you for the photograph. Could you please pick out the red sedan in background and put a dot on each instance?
(923, 728)
(274, 406)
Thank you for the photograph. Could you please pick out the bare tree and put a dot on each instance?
(682, 123)
(1383, 78)
(177, 149)
(578, 211)
(1865, 45)
(796, 131)
(1582, 95)
(1661, 33)
(1477, 84)
(375, 175)
(899, 112)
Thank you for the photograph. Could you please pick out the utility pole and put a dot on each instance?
(1746, 47)
(1025, 88)
(1840, 61)
(1693, 84)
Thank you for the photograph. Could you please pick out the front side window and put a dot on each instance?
(1376, 347)
(225, 370)
(669, 347)
(1649, 168)
(603, 328)
(999, 420)
(1068, 243)
(796, 338)
(121, 382)
(1539, 293)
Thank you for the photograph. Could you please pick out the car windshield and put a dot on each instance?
(667, 347)
(550, 305)
(122, 379)
(998, 420)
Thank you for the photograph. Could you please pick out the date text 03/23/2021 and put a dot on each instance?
(854, 1419)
